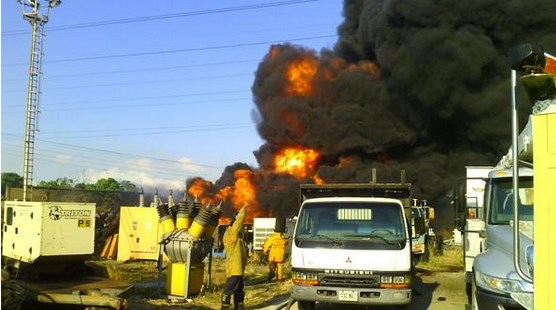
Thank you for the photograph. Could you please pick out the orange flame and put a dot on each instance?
(242, 193)
(198, 189)
(318, 180)
(550, 66)
(301, 75)
(297, 162)
(368, 67)
(245, 193)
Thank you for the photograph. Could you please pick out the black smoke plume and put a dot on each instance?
(438, 100)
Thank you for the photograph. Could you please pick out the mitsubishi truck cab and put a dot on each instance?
(351, 250)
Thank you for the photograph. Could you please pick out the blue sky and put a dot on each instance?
(151, 92)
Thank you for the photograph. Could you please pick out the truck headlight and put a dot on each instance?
(498, 285)
(400, 281)
(305, 278)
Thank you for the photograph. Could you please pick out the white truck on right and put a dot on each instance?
(503, 273)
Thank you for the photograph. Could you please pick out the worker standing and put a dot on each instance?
(236, 259)
(275, 248)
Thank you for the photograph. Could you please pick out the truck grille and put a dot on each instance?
(367, 281)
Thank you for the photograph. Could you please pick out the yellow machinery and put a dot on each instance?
(539, 81)
(139, 234)
(544, 127)
(187, 240)
(44, 248)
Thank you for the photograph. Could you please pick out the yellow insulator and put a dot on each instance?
(167, 225)
(183, 222)
(196, 230)
(165, 219)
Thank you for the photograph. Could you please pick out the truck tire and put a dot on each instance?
(426, 255)
(468, 284)
(474, 305)
(305, 305)
(439, 245)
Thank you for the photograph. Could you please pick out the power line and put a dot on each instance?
(164, 16)
(144, 82)
(143, 69)
(127, 155)
(183, 50)
(209, 126)
(165, 132)
(226, 92)
(133, 106)
(100, 164)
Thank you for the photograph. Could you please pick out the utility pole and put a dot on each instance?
(32, 14)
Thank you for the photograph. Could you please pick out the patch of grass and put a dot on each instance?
(146, 296)
(451, 260)
(258, 291)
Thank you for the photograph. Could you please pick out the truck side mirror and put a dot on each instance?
(419, 223)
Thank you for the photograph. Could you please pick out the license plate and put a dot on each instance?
(347, 295)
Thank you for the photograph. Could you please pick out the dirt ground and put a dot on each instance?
(437, 290)
(438, 285)
(432, 291)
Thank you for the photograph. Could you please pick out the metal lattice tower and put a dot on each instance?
(32, 14)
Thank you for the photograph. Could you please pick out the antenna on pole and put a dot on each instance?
(37, 17)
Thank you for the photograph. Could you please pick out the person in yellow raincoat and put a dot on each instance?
(236, 259)
(275, 248)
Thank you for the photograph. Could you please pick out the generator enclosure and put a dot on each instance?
(48, 231)
(263, 227)
(139, 234)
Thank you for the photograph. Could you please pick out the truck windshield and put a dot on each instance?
(351, 226)
(502, 204)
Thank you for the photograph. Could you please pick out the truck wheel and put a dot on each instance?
(426, 255)
(474, 305)
(439, 245)
(468, 284)
(305, 305)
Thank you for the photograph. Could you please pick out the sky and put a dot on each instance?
(150, 92)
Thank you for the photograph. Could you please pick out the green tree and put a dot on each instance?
(127, 186)
(11, 179)
(59, 183)
(107, 184)
(85, 186)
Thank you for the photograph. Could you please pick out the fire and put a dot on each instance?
(550, 66)
(242, 193)
(318, 180)
(301, 75)
(297, 162)
(199, 189)
(367, 66)
(245, 193)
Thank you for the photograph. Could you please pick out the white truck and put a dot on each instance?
(503, 273)
(469, 203)
(352, 245)
(422, 242)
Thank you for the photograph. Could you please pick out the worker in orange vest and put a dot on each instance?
(275, 248)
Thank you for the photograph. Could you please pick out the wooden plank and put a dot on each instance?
(107, 243)
(113, 247)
